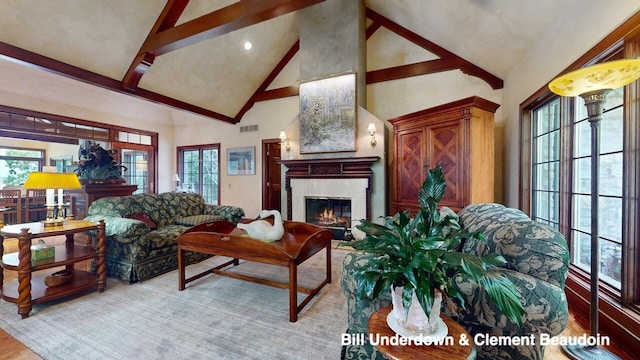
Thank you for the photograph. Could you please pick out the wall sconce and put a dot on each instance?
(285, 141)
(372, 130)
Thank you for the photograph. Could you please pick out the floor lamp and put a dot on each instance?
(593, 83)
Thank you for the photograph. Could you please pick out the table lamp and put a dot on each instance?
(593, 83)
(176, 178)
(50, 181)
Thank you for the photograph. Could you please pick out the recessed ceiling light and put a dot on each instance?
(248, 45)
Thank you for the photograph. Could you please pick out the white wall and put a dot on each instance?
(563, 43)
(270, 116)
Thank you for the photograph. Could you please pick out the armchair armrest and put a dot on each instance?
(122, 229)
(545, 304)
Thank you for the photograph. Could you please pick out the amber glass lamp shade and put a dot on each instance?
(608, 75)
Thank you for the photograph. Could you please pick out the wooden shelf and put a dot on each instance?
(41, 293)
(65, 255)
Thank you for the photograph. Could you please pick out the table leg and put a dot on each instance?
(24, 273)
(329, 263)
(181, 268)
(69, 244)
(101, 266)
(293, 291)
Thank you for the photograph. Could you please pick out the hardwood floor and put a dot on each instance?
(10, 348)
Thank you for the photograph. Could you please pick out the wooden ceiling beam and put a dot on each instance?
(268, 80)
(465, 66)
(278, 93)
(37, 61)
(405, 71)
(233, 17)
(143, 60)
(372, 29)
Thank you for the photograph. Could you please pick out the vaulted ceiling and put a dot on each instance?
(189, 54)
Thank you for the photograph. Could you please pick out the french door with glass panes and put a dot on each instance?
(139, 165)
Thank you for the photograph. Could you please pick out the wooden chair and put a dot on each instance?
(11, 206)
(35, 208)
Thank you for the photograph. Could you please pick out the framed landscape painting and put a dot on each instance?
(328, 115)
(241, 161)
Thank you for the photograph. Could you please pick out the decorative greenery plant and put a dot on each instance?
(97, 163)
(421, 254)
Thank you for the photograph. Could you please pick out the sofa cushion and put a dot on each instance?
(197, 219)
(145, 218)
(177, 205)
(164, 236)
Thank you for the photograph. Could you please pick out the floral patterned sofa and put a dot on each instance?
(142, 229)
(537, 263)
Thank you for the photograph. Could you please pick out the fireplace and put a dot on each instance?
(340, 179)
(333, 214)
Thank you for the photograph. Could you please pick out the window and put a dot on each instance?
(555, 185)
(546, 128)
(610, 185)
(63, 164)
(199, 170)
(545, 163)
(136, 163)
(16, 164)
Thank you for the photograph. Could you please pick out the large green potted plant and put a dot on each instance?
(419, 256)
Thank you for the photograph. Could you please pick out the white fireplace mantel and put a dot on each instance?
(334, 177)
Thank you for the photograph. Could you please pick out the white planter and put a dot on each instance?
(417, 321)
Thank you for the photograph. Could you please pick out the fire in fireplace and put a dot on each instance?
(331, 213)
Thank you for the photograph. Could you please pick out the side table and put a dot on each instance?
(29, 288)
(378, 326)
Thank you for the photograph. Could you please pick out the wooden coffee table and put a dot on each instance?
(299, 242)
(378, 325)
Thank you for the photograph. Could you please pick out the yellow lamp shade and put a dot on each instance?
(48, 180)
(608, 75)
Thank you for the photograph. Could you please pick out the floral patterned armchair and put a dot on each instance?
(142, 229)
(537, 263)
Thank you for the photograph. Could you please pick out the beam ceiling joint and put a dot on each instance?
(140, 65)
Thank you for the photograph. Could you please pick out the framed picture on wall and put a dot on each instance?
(328, 115)
(241, 161)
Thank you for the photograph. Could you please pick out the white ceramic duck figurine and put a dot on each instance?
(263, 230)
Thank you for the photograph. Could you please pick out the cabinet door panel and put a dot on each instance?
(446, 148)
(410, 165)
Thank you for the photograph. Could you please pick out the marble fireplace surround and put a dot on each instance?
(334, 178)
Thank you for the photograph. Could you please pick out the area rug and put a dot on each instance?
(215, 317)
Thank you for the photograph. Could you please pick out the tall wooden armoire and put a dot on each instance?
(460, 137)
